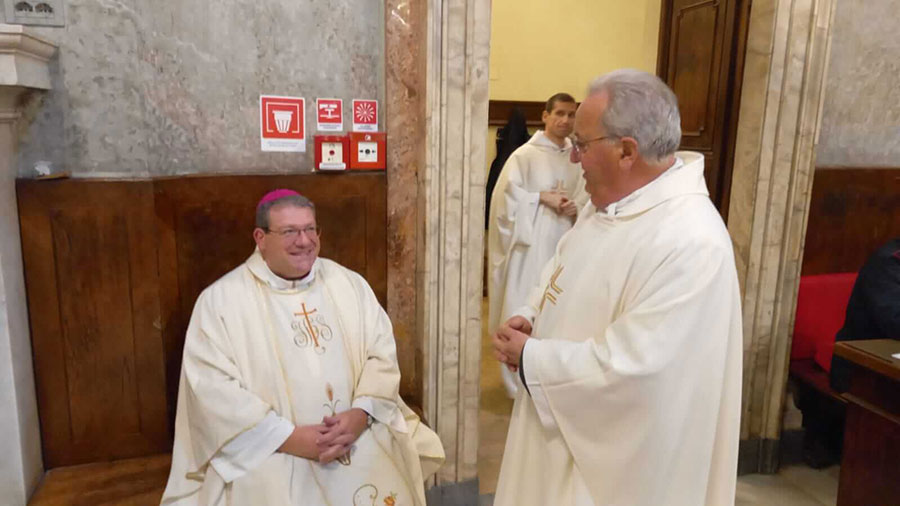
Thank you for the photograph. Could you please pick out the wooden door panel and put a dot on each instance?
(90, 269)
(95, 302)
(695, 59)
(701, 58)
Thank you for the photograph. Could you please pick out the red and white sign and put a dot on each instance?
(329, 114)
(365, 115)
(282, 123)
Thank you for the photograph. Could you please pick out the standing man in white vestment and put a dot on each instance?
(289, 384)
(630, 348)
(535, 202)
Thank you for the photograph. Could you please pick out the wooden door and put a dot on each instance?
(701, 56)
(90, 258)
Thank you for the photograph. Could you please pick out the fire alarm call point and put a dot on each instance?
(332, 152)
(367, 150)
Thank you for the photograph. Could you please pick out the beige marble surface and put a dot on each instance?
(777, 129)
(452, 205)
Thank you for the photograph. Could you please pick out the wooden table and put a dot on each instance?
(870, 466)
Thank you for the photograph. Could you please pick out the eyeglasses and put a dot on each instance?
(291, 234)
(581, 146)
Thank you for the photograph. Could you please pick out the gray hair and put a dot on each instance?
(640, 105)
(262, 211)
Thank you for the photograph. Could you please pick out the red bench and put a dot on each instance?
(821, 307)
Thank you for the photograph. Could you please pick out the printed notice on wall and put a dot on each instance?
(282, 125)
(365, 115)
(329, 115)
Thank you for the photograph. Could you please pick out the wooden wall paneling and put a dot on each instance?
(499, 111)
(206, 224)
(853, 211)
(91, 276)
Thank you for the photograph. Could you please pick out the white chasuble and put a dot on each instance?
(634, 366)
(263, 354)
(523, 233)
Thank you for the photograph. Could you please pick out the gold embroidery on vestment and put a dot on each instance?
(552, 286)
(332, 405)
(311, 331)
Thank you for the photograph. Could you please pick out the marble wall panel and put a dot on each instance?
(405, 67)
(15, 349)
(452, 214)
(20, 440)
(780, 117)
(861, 118)
(161, 87)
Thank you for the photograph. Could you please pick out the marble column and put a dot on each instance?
(23, 68)
(451, 214)
(780, 117)
(405, 67)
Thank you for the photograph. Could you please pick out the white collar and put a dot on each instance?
(631, 197)
(684, 177)
(540, 140)
(260, 269)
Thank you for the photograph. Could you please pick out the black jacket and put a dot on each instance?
(873, 311)
(509, 138)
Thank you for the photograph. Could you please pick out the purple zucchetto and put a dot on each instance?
(275, 195)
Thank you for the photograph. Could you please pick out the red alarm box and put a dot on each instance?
(367, 150)
(331, 152)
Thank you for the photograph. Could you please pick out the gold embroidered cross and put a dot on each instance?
(312, 331)
(552, 286)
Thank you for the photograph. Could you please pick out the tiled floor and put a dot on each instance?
(792, 486)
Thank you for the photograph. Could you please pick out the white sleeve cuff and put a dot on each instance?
(250, 448)
(382, 411)
(532, 381)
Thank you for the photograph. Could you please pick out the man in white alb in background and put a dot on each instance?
(289, 384)
(630, 347)
(535, 202)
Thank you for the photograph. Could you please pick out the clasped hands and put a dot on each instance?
(559, 201)
(329, 440)
(509, 341)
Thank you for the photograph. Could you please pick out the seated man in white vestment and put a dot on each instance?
(534, 203)
(630, 347)
(289, 385)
